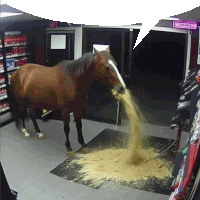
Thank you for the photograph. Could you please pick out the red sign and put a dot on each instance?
(53, 24)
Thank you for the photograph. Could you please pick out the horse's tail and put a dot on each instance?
(18, 109)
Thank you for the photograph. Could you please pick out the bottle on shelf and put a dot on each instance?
(15, 39)
(1, 67)
(2, 79)
(4, 106)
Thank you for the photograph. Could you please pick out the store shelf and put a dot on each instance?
(15, 45)
(15, 55)
(9, 70)
(4, 111)
(3, 85)
(3, 97)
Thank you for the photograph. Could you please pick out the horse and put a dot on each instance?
(62, 87)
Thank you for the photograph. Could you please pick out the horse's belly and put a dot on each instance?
(44, 105)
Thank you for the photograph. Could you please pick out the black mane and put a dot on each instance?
(79, 66)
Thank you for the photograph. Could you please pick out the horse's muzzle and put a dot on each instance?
(120, 89)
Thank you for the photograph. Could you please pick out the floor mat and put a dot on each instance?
(109, 138)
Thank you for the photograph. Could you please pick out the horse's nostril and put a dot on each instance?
(122, 89)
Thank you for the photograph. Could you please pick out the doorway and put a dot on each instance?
(60, 46)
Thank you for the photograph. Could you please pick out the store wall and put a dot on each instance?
(36, 33)
(194, 39)
(194, 49)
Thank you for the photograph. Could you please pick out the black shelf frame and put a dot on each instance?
(3, 60)
(5, 69)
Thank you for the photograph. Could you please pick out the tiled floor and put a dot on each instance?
(27, 163)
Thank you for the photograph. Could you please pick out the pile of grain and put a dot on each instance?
(124, 164)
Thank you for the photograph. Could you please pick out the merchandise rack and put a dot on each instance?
(185, 185)
(13, 54)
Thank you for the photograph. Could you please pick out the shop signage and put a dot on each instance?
(185, 24)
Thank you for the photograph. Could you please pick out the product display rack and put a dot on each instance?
(186, 183)
(13, 54)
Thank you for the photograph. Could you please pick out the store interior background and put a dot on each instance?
(158, 62)
(154, 82)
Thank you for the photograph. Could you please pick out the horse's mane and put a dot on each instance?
(79, 66)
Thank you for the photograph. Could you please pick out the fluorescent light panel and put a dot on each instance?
(7, 14)
(170, 18)
(2, 3)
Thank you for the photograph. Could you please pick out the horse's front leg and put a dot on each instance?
(38, 132)
(32, 115)
(78, 121)
(66, 120)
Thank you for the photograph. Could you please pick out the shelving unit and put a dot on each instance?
(186, 183)
(13, 54)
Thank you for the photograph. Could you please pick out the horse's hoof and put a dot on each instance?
(84, 145)
(26, 134)
(28, 137)
(69, 149)
(41, 136)
(71, 153)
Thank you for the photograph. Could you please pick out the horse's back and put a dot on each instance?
(32, 77)
(45, 87)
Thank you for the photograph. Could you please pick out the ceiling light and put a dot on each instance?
(2, 3)
(7, 14)
(170, 18)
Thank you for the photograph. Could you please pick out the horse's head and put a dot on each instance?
(106, 70)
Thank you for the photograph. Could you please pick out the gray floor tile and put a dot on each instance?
(32, 191)
(144, 195)
(55, 191)
(46, 181)
(23, 196)
(114, 191)
(97, 196)
(132, 194)
(66, 185)
(68, 196)
(44, 196)
(13, 185)
(7, 169)
(20, 181)
(82, 191)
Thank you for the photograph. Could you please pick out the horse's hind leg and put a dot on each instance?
(26, 134)
(39, 134)
(22, 116)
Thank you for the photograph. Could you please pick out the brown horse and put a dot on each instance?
(62, 87)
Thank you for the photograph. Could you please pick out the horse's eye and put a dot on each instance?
(107, 68)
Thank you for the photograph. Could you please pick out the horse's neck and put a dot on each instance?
(84, 83)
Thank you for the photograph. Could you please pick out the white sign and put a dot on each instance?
(100, 47)
(58, 41)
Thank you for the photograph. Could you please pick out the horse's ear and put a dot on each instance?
(96, 51)
(99, 54)
(108, 50)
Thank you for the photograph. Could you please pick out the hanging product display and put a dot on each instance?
(187, 100)
(188, 109)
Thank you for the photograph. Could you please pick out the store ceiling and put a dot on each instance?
(18, 18)
(190, 15)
